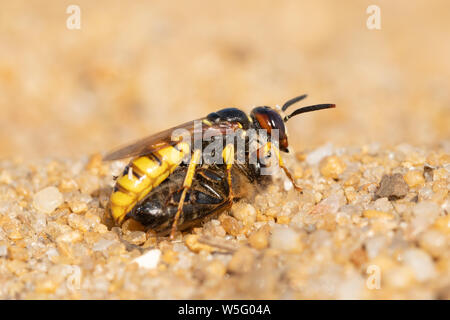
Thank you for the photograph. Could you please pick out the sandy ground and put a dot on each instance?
(133, 69)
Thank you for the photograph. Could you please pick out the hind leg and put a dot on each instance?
(186, 186)
(228, 157)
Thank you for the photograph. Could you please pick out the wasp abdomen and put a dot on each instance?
(142, 175)
(208, 194)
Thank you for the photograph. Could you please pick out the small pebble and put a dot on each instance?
(358, 257)
(414, 178)
(18, 253)
(48, 199)
(47, 286)
(443, 224)
(425, 213)
(317, 155)
(332, 167)
(398, 277)
(191, 241)
(260, 238)
(148, 260)
(383, 204)
(170, 256)
(372, 214)
(286, 239)
(393, 187)
(3, 251)
(135, 237)
(434, 242)
(298, 172)
(230, 225)
(374, 245)
(72, 237)
(102, 245)
(215, 269)
(330, 204)
(78, 222)
(132, 225)
(77, 206)
(421, 264)
(287, 185)
(244, 212)
(283, 219)
(242, 261)
(440, 174)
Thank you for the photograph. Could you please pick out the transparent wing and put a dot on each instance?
(149, 144)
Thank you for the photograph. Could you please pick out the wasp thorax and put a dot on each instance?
(230, 115)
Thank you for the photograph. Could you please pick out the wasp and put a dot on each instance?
(167, 187)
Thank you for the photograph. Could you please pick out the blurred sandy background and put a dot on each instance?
(138, 67)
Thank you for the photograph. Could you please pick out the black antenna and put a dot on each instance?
(308, 109)
(292, 101)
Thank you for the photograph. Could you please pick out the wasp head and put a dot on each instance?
(270, 119)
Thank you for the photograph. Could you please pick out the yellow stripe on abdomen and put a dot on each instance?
(149, 172)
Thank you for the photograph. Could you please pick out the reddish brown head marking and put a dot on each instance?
(268, 118)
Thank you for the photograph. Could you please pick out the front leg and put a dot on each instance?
(282, 166)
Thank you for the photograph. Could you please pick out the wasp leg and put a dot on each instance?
(228, 157)
(286, 171)
(186, 186)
